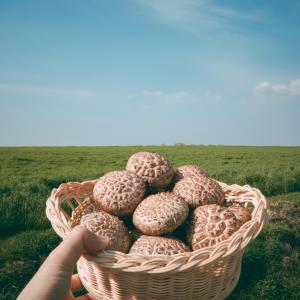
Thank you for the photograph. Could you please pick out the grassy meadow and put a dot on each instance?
(271, 268)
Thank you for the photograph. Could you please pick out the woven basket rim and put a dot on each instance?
(164, 263)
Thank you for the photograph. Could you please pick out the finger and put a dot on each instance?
(70, 296)
(53, 277)
(80, 240)
(76, 284)
(84, 297)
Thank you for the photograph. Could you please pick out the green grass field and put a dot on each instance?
(271, 268)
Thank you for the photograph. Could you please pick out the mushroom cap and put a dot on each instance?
(197, 191)
(152, 168)
(209, 225)
(119, 192)
(241, 213)
(190, 170)
(86, 207)
(109, 226)
(160, 213)
(158, 245)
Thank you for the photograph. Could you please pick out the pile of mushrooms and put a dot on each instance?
(152, 209)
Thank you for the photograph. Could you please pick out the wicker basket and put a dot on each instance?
(208, 273)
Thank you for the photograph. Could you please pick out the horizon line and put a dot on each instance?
(147, 145)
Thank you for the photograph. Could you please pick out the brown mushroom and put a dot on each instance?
(197, 191)
(119, 192)
(189, 170)
(86, 207)
(158, 245)
(108, 226)
(152, 168)
(241, 213)
(160, 213)
(209, 225)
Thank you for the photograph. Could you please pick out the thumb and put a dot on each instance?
(52, 281)
(79, 241)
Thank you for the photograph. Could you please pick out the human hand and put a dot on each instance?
(54, 279)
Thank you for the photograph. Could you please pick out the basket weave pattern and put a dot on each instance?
(208, 273)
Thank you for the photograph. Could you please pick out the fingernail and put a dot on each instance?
(94, 243)
(105, 241)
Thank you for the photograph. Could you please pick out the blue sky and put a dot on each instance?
(138, 72)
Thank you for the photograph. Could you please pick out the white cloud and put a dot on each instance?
(170, 98)
(178, 97)
(268, 91)
(31, 92)
(23, 93)
(195, 16)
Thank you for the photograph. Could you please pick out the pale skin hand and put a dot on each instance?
(54, 279)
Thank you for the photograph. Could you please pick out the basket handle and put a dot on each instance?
(59, 217)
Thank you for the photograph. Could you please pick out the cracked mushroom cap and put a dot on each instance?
(119, 192)
(209, 225)
(190, 170)
(152, 168)
(241, 213)
(160, 213)
(197, 191)
(108, 226)
(158, 245)
(88, 206)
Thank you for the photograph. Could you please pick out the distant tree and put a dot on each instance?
(179, 144)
